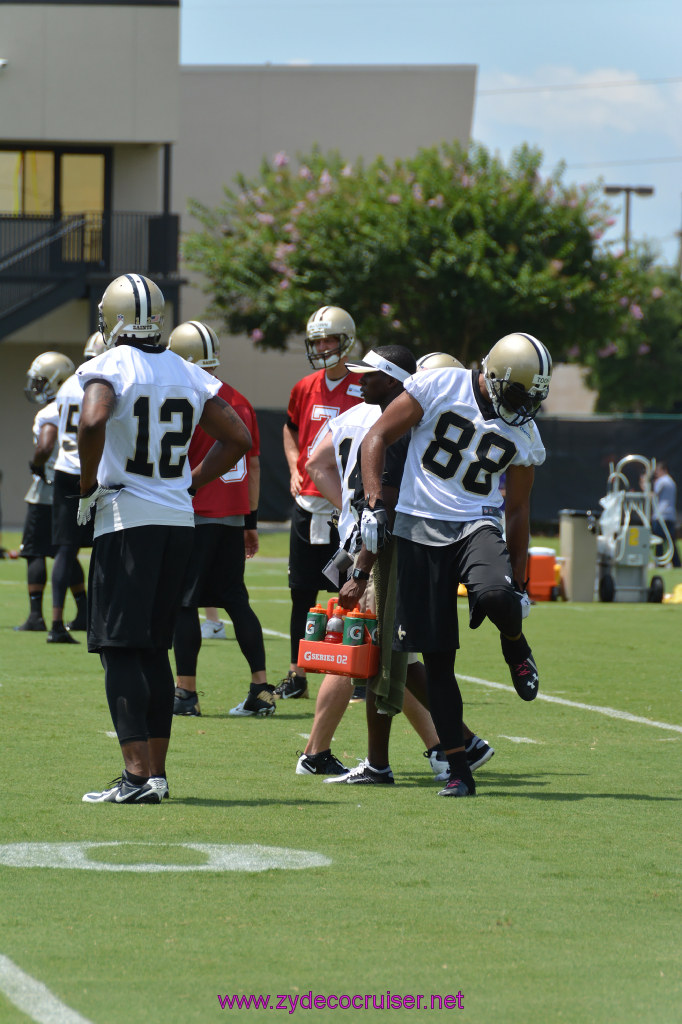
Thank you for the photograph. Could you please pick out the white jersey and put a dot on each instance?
(159, 401)
(347, 432)
(40, 491)
(69, 400)
(456, 456)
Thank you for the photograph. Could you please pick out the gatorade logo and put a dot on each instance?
(375, 635)
(309, 628)
(357, 632)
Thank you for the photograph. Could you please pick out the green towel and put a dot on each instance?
(388, 684)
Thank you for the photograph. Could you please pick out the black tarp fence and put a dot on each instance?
(575, 474)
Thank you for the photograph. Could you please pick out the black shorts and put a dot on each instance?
(216, 566)
(65, 528)
(36, 540)
(428, 578)
(306, 560)
(135, 586)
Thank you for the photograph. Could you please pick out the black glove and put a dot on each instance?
(37, 470)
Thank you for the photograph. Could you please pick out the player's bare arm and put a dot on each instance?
(324, 472)
(45, 444)
(402, 414)
(233, 440)
(99, 402)
(291, 454)
(517, 515)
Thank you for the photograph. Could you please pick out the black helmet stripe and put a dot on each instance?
(143, 300)
(205, 337)
(543, 355)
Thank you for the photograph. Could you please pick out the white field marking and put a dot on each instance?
(13, 583)
(519, 739)
(112, 735)
(33, 998)
(219, 857)
(273, 632)
(609, 712)
(304, 735)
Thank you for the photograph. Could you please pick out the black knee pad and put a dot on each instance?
(499, 604)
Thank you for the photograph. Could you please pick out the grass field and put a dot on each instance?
(553, 896)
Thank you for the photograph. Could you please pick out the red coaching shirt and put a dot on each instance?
(229, 494)
(311, 405)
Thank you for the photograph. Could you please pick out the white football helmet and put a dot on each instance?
(45, 376)
(329, 322)
(517, 371)
(94, 346)
(437, 360)
(197, 343)
(132, 306)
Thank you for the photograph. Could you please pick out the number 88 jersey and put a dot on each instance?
(457, 455)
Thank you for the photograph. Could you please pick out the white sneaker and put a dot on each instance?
(213, 630)
(439, 764)
(160, 785)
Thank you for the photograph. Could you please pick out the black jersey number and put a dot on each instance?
(452, 436)
(140, 463)
(354, 476)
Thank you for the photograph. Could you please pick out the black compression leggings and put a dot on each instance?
(445, 698)
(140, 690)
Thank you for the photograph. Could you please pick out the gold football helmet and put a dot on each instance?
(437, 360)
(329, 322)
(517, 371)
(94, 346)
(197, 343)
(132, 306)
(45, 376)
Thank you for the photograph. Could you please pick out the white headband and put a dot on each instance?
(374, 363)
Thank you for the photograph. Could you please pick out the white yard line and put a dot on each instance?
(33, 998)
(609, 712)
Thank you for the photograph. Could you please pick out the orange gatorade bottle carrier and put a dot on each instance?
(344, 647)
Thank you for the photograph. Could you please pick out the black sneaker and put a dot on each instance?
(260, 706)
(456, 787)
(60, 635)
(364, 774)
(478, 752)
(522, 667)
(525, 678)
(80, 623)
(323, 763)
(122, 791)
(33, 624)
(186, 703)
(292, 686)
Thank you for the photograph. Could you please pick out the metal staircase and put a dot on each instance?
(47, 261)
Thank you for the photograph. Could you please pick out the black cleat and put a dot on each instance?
(323, 763)
(365, 775)
(186, 702)
(80, 623)
(478, 752)
(260, 705)
(456, 787)
(525, 678)
(292, 686)
(60, 635)
(33, 624)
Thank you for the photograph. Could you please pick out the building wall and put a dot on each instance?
(89, 73)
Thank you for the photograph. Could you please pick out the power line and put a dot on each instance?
(627, 163)
(591, 86)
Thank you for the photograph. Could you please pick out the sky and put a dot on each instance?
(596, 84)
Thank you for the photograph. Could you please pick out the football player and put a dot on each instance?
(468, 428)
(314, 401)
(67, 536)
(140, 406)
(46, 374)
(225, 520)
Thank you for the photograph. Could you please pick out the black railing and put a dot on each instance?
(41, 254)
